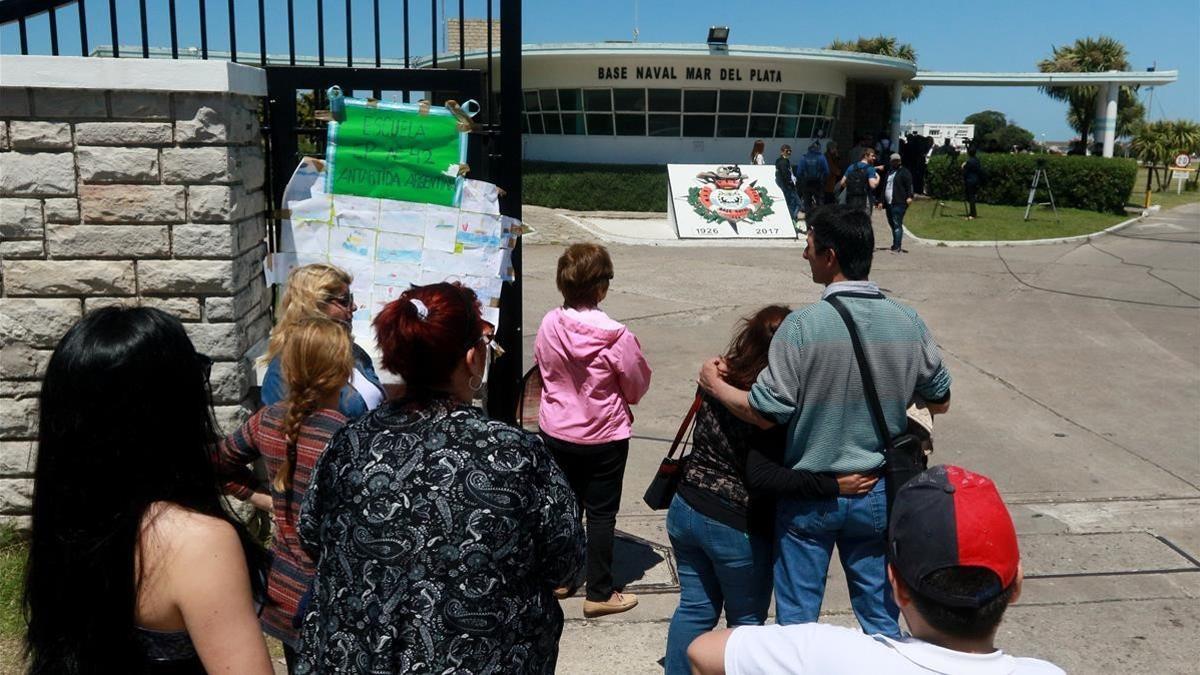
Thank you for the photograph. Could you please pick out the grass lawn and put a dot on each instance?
(1166, 199)
(12, 578)
(1002, 223)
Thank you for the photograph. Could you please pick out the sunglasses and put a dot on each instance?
(493, 347)
(346, 301)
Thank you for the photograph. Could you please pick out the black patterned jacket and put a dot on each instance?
(439, 536)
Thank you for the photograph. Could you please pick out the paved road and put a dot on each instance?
(1076, 386)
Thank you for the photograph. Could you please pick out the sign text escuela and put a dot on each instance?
(701, 73)
(389, 152)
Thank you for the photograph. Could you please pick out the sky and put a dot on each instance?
(947, 35)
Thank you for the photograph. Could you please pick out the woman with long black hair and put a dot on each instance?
(134, 565)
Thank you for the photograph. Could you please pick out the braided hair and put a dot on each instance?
(317, 362)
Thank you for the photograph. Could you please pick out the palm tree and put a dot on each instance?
(1092, 55)
(1157, 143)
(883, 45)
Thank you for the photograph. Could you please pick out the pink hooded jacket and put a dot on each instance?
(592, 370)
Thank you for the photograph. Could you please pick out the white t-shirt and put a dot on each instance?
(371, 394)
(757, 158)
(829, 650)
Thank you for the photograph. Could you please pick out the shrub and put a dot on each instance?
(1090, 183)
(13, 552)
(595, 187)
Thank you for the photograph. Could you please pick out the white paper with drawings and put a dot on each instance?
(403, 222)
(387, 245)
(399, 248)
(479, 230)
(480, 197)
(441, 233)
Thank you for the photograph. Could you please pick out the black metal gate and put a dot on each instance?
(296, 85)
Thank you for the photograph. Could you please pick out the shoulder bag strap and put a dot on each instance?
(865, 369)
(678, 443)
(526, 379)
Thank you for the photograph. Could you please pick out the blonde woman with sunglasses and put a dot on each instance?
(321, 291)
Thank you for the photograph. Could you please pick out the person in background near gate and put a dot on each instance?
(833, 159)
(756, 153)
(134, 565)
(321, 290)
(592, 370)
(786, 181)
(954, 568)
(720, 521)
(865, 142)
(914, 159)
(897, 195)
(811, 172)
(439, 534)
(859, 179)
(290, 436)
(883, 148)
(812, 385)
(972, 175)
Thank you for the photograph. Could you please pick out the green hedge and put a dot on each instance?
(1090, 183)
(595, 187)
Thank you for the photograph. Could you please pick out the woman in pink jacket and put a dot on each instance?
(592, 370)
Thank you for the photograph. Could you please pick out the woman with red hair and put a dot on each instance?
(440, 534)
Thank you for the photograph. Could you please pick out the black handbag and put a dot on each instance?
(903, 455)
(666, 480)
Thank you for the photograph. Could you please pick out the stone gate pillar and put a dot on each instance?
(126, 181)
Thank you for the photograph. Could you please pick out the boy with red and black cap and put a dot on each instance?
(954, 567)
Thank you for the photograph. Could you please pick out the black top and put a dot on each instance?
(972, 171)
(783, 170)
(734, 471)
(167, 653)
(440, 537)
(902, 187)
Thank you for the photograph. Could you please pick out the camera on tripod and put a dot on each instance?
(1040, 176)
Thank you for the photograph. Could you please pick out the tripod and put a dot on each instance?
(1039, 175)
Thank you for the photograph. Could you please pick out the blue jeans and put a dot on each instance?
(718, 566)
(895, 217)
(790, 196)
(806, 531)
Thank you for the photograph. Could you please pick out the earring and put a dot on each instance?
(475, 383)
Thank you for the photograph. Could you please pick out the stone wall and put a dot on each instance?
(125, 196)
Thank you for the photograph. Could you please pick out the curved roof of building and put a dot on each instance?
(1146, 77)
(852, 64)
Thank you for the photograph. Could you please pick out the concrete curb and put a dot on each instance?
(574, 219)
(951, 243)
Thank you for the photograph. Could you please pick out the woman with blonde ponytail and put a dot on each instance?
(315, 361)
(321, 291)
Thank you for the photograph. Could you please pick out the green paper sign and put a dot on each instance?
(392, 151)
